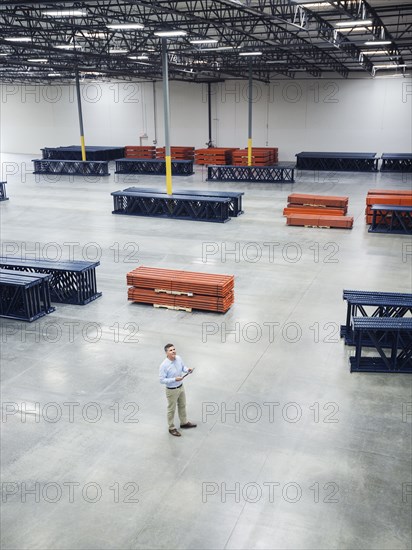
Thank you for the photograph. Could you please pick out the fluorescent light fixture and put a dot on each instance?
(54, 74)
(358, 22)
(373, 52)
(141, 57)
(65, 13)
(348, 29)
(219, 49)
(68, 47)
(3, 54)
(125, 26)
(170, 33)
(118, 50)
(389, 66)
(204, 41)
(397, 75)
(19, 39)
(377, 42)
(315, 5)
(38, 60)
(250, 53)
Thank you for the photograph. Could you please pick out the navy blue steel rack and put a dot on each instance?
(153, 167)
(356, 162)
(24, 296)
(396, 162)
(235, 204)
(72, 282)
(283, 172)
(71, 167)
(74, 152)
(161, 205)
(3, 194)
(395, 331)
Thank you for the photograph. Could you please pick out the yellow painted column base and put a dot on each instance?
(249, 152)
(83, 148)
(168, 160)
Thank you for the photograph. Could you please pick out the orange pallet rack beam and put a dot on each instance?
(318, 200)
(308, 220)
(181, 281)
(291, 209)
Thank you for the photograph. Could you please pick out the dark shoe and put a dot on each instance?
(188, 425)
(175, 432)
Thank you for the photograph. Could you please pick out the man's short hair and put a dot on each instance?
(167, 346)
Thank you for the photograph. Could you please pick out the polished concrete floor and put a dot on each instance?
(291, 450)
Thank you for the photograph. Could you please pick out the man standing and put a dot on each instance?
(171, 374)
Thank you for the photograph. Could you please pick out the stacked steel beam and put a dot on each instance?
(215, 155)
(177, 153)
(261, 156)
(391, 197)
(139, 152)
(184, 290)
(317, 211)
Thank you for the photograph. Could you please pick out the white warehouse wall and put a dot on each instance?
(294, 115)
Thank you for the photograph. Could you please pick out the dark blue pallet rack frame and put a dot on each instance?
(396, 331)
(235, 205)
(72, 282)
(182, 207)
(339, 161)
(153, 167)
(373, 305)
(24, 296)
(71, 167)
(396, 162)
(74, 152)
(389, 218)
(280, 173)
(3, 194)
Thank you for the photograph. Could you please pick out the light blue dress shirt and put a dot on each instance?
(169, 370)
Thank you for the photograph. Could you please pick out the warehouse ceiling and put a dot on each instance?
(45, 42)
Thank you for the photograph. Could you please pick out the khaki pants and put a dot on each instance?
(176, 397)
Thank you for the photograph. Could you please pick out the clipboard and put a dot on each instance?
(187, 374)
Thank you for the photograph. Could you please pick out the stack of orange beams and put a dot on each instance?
(176, 153)
(318, 211)
(391, 197)
(184, 290)
(139, 152)
(261, 156)
(214, 155)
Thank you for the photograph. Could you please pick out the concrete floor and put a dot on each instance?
(291, 450)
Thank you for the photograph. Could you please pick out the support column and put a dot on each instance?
(79, 108)
(249, 137)
(168, 158)
(209, 110)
